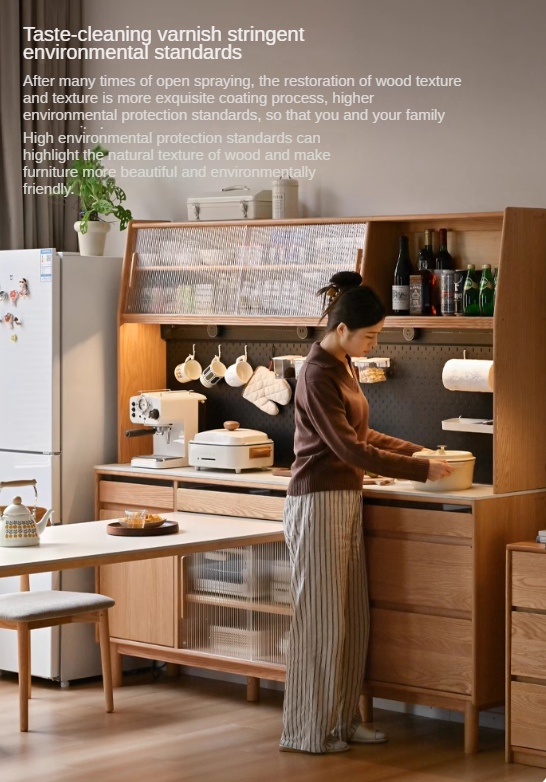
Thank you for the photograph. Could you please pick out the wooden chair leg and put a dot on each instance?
(104, 636)
(252, 689)
(23, 641)
(24, 586)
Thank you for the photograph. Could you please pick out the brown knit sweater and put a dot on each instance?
(334, 444)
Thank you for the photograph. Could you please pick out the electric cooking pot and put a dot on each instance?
(231, 448)
(461, 478)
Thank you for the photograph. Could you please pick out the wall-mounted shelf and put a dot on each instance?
(467, 425)
(451, 323)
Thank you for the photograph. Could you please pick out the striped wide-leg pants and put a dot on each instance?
(330, 626)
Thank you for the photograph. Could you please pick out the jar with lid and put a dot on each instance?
(285, 198)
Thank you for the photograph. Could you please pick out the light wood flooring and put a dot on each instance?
(173, 730)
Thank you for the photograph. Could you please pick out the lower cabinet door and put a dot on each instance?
(528, 715)
(419, 650)
(145, 600)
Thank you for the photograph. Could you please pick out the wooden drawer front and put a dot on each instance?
(528, 645)
(145, 600)
(528, 715)
(528, 580)
(136, 495)
(410, 573)
(379, 519)
(253, 506)
(420, 651)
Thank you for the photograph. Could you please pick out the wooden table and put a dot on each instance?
(69, 546)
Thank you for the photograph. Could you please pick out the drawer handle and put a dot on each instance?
(260, 452)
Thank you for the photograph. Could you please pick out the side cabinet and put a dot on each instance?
(526, 655)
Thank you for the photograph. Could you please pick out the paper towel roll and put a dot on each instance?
(468, 375)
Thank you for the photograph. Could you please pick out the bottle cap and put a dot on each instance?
(471, 266)
(486, 266)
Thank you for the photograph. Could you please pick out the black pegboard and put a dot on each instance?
(411, 404)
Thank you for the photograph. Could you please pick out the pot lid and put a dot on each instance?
(231, 434)
(443, 454)
(17, 511)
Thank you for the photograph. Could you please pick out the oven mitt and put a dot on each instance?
(264, 389)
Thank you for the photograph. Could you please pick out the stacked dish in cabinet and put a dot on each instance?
(237, 602)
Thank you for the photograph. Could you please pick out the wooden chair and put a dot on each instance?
(26, 611)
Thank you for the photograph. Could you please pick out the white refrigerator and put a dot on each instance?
(58, 393)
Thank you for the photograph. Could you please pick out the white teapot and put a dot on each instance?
(18, 526)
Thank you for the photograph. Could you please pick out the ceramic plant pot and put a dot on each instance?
(92, 242)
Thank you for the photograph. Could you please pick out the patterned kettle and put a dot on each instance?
(18, 526)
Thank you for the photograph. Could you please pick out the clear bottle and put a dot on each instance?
(401, 284)
(444, 260)
(487, 292)
(471, 294)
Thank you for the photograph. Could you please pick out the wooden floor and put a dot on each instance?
(168, 730)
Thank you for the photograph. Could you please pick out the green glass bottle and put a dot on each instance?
(495, 280)
(487, 292)
(471, 294)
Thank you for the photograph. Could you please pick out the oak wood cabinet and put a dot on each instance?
(526, 654)
(436, 584)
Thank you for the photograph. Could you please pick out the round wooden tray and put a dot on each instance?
(167, 528)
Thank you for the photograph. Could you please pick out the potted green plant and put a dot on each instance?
(99, 197)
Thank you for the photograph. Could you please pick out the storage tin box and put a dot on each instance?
(237, 202)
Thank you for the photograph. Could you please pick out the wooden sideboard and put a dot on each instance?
(526, 654)
(436, 578)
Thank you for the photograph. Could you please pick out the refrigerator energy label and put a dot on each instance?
(46, 265)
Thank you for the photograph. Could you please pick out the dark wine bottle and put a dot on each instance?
(426, 253)
(401, 286)
(444, 259)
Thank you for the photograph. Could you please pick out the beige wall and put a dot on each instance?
(488, 152)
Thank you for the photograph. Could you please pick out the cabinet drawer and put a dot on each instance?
(136, 495)
(379, 519)
(528, 580)
(528, 715)
(145, 600)
(410, 573)
(253, 506)
(420, 651)
(528, 645)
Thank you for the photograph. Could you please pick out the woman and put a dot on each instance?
(323, 526)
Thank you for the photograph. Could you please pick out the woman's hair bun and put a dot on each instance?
(344, 280)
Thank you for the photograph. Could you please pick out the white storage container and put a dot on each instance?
(237, 202)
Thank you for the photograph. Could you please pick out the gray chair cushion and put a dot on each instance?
(33, 606)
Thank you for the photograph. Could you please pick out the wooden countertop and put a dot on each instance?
(265, 479)
(68, 546)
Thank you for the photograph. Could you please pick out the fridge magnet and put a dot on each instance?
(23, 288)
(14, 337)
(17, 321)
(3, 295)
(8, 318)
(14, 295)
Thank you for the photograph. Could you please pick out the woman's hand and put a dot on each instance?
(439, 469)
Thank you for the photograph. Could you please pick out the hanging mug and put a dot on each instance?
(239, 374)
(190, 370)
(214, 372)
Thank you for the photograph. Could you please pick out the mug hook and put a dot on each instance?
(193, 354)
(246, 355)
(219, 352)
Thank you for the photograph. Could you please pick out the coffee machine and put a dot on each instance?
(174, 418)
